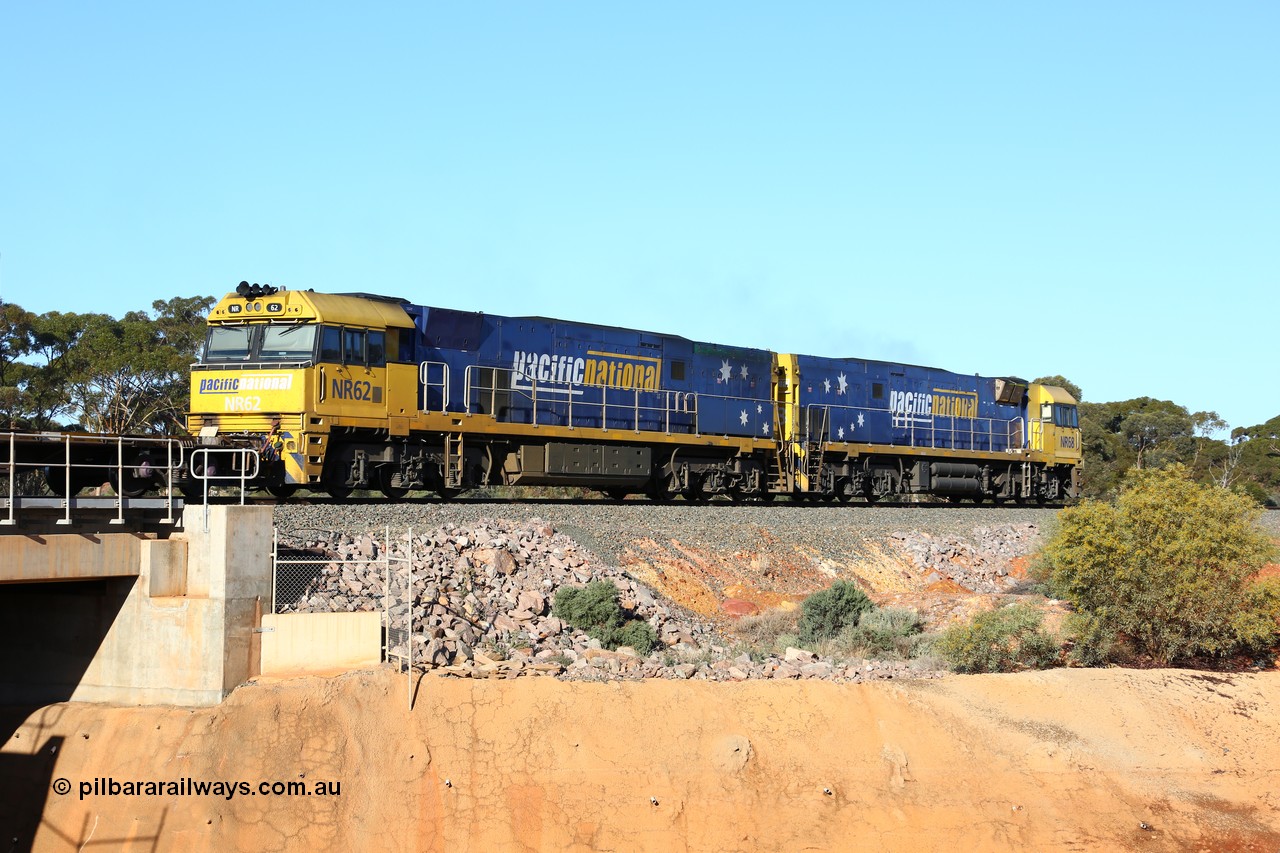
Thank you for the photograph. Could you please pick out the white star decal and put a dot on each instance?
(743, 417)
(860, 420)
(764, 427)
(759, 408)
(840, 433)
(725, 371)
(844, 383)
(826, 385)
(744, 371)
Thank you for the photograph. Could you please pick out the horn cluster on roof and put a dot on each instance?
(252, 291)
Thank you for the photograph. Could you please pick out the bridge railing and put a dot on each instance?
(70, 462)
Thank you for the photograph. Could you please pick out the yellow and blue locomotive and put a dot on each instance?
(355, 391)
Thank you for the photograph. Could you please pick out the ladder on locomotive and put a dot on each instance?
(779, 470)
(453, 460)
(814, 445)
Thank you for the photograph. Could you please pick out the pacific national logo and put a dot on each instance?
(912, 408)
(251, 382)
(615, 370)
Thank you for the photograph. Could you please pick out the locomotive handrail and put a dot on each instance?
(424, 379)
(1021, 443)
(978, 428)
(659, 409)
(244, 475)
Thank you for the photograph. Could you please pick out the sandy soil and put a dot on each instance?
(1058, 760)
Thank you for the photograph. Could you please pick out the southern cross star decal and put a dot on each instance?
(725, 371)
(840, 433)
(744, 371)
(844, 383)
(826, 385)
(743, 417)
(759, 408)
(860, 420)
(764, 427)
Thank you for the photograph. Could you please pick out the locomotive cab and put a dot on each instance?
(284, 370)
(1055, 424)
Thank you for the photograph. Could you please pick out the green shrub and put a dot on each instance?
(636, 634)
(594, 608)
(880, 632)
(1166, 570)
(825, 614)
(1004, 640)
(1095, 642)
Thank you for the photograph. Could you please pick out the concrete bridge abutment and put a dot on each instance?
(128, 618)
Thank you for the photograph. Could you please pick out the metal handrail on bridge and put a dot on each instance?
(73, 470)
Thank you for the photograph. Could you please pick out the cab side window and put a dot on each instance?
(353, 346)
(1065, 416)
(331, 344)
(377, 348)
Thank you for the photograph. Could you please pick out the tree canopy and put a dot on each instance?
(97, 373)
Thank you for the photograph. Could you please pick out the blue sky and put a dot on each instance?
(1090, 189)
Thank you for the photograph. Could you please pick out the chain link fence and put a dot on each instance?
(310, 574)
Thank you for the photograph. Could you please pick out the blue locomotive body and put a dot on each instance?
(535, 370)
(901, 405)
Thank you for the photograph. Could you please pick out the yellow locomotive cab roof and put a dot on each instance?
(1059, 395)
(294, 305)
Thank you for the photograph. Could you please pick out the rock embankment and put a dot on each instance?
(479, 600)
(980, 562)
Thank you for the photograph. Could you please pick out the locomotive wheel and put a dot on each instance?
(283, 491)
(337, 491)
(131, 487)
(616, 494)
(395, 493)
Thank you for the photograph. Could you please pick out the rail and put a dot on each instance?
(73, 461)
(954, 433)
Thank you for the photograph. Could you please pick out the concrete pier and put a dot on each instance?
(129, 618)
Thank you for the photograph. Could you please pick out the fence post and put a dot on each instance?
(275, 564)
(386, 597)
(409, 633)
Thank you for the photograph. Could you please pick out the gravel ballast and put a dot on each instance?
(608, 528)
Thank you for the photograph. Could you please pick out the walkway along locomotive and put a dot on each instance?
(358, 391)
